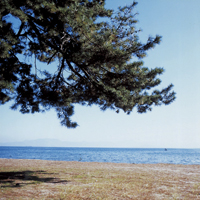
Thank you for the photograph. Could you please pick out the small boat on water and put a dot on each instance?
(165, 149)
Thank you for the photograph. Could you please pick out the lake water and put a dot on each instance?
(115, 155)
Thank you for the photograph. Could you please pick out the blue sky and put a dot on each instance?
(174, 126)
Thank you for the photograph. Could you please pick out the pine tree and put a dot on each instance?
(96, 50)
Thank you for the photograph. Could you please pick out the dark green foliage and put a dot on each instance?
(94, 58)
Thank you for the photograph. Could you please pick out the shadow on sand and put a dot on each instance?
(20, 178)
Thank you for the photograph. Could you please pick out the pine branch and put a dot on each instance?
(70, 66)
(20, 29)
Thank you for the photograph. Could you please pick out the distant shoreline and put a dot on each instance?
(92, 147)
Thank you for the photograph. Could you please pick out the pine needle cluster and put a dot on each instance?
(96, 50)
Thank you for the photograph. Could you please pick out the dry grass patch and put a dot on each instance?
(39, 179)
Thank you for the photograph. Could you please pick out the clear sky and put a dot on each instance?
(174, 126)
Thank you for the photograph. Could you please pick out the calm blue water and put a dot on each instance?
(115, 155)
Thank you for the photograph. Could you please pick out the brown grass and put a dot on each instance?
(39, 179)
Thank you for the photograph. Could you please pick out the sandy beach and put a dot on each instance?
(40, 179)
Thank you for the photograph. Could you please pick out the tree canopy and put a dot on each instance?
(96, 51)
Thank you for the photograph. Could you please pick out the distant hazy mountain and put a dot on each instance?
(55, 143)
(42, 143)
